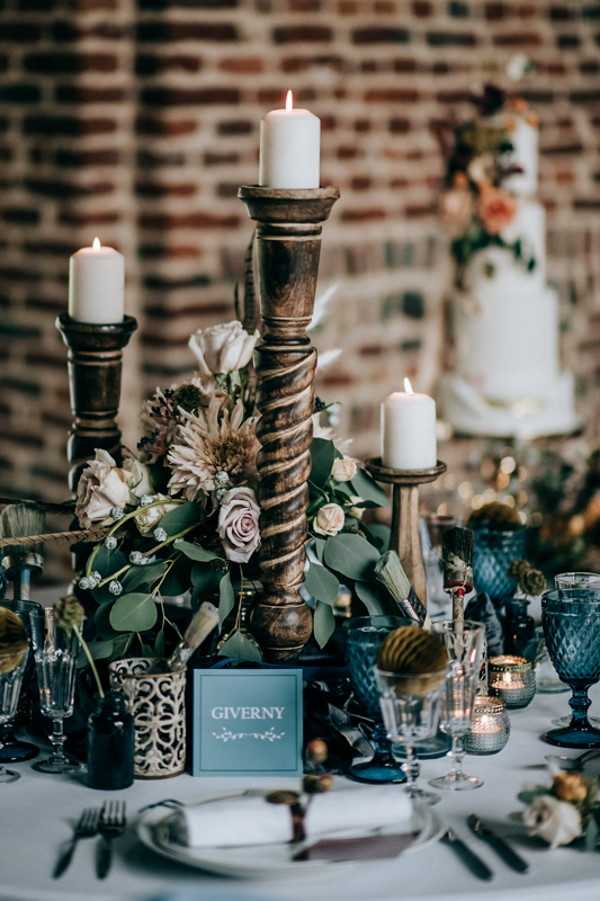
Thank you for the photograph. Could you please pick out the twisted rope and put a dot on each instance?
(48, 537)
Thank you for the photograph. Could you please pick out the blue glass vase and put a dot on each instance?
(494, 551)
(571, 622)
(364, 637)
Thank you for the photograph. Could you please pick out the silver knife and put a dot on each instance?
(499, 844)
(472, 861)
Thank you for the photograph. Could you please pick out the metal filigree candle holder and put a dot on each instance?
(288, 246)
(94, 362)
(405, 538)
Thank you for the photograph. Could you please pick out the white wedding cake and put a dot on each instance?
(507, 379)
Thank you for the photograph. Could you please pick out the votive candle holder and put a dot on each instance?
(512, 679)
(490, 726)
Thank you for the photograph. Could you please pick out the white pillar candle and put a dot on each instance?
(290, 147)
(97, 284)
(408, 430)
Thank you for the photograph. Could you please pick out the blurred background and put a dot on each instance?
(137, 122)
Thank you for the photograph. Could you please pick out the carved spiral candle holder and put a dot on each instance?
(288, 245)
(94, 360)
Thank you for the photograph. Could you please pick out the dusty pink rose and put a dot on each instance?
(329, 520)
(456, 210)
(239, 524)
(496, 209)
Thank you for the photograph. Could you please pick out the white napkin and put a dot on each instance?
(253, 821)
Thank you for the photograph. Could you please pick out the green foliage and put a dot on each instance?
(350, 555)
(195, 551)
(226, 598)
(321, 584)
(183, 517)
(364, 486)
(322, 456)
(241, 646)
(133, 613)
(138, 576)
(323, 623)
(376, 600)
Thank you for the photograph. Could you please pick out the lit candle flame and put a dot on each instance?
(289, 102)
(407, 386)
(96, 245)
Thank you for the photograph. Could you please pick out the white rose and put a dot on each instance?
(344, 469)
(329, 520)
(102, 486)
(140, 481)
(357, 512)
(149, 517)
(557, 822)
(223, 348)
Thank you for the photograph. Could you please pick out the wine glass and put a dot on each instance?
(465, 650)
(364, 637)
(13, 749)
(55, 667)
(410, 705)
(571, 622)
(11, 680)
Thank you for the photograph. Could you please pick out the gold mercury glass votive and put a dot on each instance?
(490, 726)
(512, 679)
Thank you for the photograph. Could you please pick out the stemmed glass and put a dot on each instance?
(465, 650)
(577, 580)
(13, 749)
(11, 680)
(571, 622)
(364, 637)
(55, 666)
(410, 705)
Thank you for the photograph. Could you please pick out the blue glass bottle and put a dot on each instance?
(110, 744)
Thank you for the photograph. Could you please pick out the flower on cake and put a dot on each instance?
(496, 208)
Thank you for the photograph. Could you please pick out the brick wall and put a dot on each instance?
(138, 121)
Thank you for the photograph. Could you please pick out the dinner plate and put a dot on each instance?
(272, 861)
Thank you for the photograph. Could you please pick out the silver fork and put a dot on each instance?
(112, 824)
(86, 827)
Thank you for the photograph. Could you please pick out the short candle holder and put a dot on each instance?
(94, 361)
(405, 538)
(512, 679)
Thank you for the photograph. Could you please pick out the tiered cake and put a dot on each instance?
(507, 379)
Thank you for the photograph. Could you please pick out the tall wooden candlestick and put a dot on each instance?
(404, 538)
(288, 245)
(94, 362)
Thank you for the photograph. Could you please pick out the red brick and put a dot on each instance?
(151, 125)
(293, 34)
(380, 35)
(198, 219)
(247, 65)
(161, 32)
(210, 96)
(154, 63)
(155, 189)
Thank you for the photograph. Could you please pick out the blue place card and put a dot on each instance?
(247, 722)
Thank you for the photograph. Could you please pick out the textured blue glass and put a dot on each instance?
(571, 622)
(365, 635)
(493, 552)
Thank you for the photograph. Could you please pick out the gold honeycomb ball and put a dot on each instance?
(413, 651)
(13, 640)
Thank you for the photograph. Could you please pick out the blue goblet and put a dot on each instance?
(364, 637)
(494, 550)
(571, 622)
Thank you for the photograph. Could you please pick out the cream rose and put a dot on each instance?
(344, 469)
(238, 525)
(329, 520)
(102, 486)
(150, 516)
(140, 481)
(223, 348)
(557, 822)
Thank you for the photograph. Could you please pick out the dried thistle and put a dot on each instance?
(69, 614)
(495, 515)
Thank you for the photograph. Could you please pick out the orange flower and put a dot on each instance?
(456, 210)
(570, 787)
(496, 209)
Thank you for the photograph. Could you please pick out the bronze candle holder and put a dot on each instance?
(95, 355)
(405, 538)
(288, 246)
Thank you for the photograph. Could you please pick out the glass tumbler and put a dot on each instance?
(11, 680)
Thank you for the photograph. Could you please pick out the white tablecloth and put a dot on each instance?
(36, 813)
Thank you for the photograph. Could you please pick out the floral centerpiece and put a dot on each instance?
(476, 206)
(565, 811)
(182, 514)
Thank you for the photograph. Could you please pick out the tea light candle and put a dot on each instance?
(290, 148)
(97, 285)
(408, 430)
(512, 679)
(490, 726)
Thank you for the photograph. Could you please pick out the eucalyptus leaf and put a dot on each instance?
(159, 643)
(205, 578)
(323, 624)
(195, 551)
(321, 584)
(528, 795)
(226, 598)
(178, 579)
(182, 518)
(364, 486)
(379, 534)
(107, 562)
(241, 646)
(142, 575)
(377, 602)
(315, 549)
(101, 649)
(351, 555)
(134, 612)
(322, 455)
